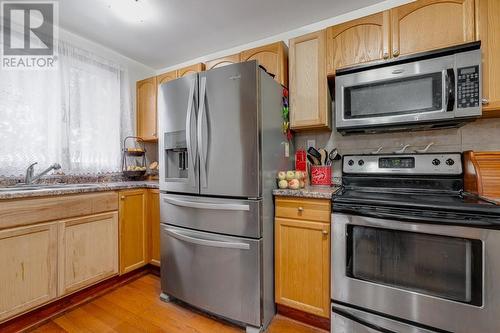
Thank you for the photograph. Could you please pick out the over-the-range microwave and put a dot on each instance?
(429, 90)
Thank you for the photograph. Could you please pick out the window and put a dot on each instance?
(75, 115)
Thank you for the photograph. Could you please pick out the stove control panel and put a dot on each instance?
(404, 164)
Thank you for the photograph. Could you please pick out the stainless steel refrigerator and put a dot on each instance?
(220, 147)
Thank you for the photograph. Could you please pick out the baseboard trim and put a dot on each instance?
(304, 317)
(39, 316)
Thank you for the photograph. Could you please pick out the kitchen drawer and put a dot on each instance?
(303, 209)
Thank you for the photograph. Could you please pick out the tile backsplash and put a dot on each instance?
(481, 135)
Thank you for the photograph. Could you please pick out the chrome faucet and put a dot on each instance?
(30, 178)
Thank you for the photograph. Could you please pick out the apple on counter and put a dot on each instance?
(291, 179)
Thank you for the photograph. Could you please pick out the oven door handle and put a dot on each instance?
(449, 78)
(376, 323)
(206, 242)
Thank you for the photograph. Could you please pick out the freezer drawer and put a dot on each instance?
(225, 216)
(219, 274)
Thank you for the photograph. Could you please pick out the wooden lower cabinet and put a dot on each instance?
(154, 226)
(302, 262)
(88, 251)
(28, 274)
(133, 230)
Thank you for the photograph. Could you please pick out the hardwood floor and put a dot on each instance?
(136, 307)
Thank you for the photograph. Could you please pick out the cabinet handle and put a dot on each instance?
(485, 101)
(300, 209)
(325, 232)
(122, 197)
(386, 55)
(395, 52)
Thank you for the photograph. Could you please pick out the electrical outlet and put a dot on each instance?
(311, 143)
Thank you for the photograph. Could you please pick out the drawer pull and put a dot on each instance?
(300, 209)
(122, 197)
(325, 232)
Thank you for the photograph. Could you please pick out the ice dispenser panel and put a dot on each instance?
(176, 155)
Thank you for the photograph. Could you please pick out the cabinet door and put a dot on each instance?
(133, 230)
(273, 58)
(28, 274)
(196, 68)
(431, 24)
(303, 265)
(146, 109)
(489, 33)
(358, 41)
(88, 251)
(154, 226)
(224, 61)
(310, 101)
(165, 77)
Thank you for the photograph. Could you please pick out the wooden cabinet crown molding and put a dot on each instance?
(431, 24)
(358, 41)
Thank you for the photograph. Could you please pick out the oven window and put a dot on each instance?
(435, 265)
(402, 96)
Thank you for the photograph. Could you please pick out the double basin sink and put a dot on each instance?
(44, 187)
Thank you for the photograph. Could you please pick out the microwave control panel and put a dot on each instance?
(468, 87)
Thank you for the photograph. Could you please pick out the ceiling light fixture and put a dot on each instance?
(133, 11)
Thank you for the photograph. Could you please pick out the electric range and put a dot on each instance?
(411, 250)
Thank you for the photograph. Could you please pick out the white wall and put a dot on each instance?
(384, 5)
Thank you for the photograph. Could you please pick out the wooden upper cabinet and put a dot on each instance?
(310, 102)
(146, 109)
(28, 277)
(196, 68)
(358, 41)
(431, 24)
(133, 230)
(165, 77)
(488, 24)
(224, 61)
(273, 58)
(88, 250)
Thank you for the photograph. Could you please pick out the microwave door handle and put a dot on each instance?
(189, 145)
(449, 89)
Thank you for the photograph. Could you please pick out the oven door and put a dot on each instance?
(419, 91)
(438, 276)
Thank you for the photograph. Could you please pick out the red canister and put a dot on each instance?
(321, 175)
(301, 160)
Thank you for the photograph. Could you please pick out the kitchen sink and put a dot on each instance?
(45, 187)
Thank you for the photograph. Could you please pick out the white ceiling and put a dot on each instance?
(162, 33)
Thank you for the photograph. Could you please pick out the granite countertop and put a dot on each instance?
(315, 192)
(76, 189)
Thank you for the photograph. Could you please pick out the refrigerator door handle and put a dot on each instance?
(201, 145)
(206, 205)
(206, 242)
(189, 144)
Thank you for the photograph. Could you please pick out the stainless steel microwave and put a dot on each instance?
(429, 90)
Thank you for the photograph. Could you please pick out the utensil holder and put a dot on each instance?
(321, 175)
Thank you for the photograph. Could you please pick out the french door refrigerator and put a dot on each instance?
(220, 147)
